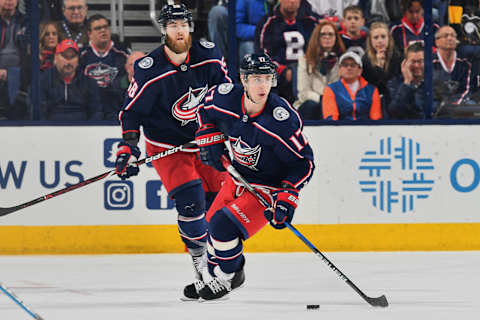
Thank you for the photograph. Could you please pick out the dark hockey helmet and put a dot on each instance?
(258, 63)
(171, 12)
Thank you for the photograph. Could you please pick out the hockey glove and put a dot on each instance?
(284, 205)
(211, 143)
(127, 154)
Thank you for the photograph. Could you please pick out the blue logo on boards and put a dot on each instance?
(387, 191)
(118, 195)
(110, 147)
(157, 196)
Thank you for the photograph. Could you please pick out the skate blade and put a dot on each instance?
(186, 299)
(224, 298)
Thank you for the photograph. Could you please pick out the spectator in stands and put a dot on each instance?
(127, 78)
(411, 27)
(407, 90)
(284, 36)
(448, 68)
(218, 26)
(104, 62)
(351, 97)
(74, 25)
(376, 10)
(51, 10)
(382, 60)
(66, 94)
(12, 54)
(353, 36)
(317, 69)
(331, 8)
(248, 14)
(440, 10)
(48, 43)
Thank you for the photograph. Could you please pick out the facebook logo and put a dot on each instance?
(110, 147)
(118, 195)
(157, 196)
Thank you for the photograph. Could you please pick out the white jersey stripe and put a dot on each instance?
(212, 106)
(166, 74)
(278, 138)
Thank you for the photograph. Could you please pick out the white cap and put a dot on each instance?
(351, 55)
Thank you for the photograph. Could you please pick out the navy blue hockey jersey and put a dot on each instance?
(106, 69)
(458, 77)
(405, 33)
(269, 147)
(285, 41)
(163, 97)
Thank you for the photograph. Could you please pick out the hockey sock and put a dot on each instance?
(190, 204)
(225, 238)
(211, 259)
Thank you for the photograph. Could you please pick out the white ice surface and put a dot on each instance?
(418, 285)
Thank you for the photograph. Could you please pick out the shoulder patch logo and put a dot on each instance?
(207, 44)
(146, 63)
(225, 88)
(281, 114)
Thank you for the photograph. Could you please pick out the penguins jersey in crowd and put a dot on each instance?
(268, 147)
(163, 97)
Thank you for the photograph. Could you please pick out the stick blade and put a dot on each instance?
(5, 211)
(378, 302)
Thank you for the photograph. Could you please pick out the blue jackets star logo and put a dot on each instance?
(246, 155)
(185, 108)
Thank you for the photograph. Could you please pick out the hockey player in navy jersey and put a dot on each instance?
(269, 150)
(163, 97)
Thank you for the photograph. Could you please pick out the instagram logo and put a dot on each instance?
(118, 195)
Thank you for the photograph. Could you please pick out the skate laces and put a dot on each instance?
(217, 285)
(199, 285)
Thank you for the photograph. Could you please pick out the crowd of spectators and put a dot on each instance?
(306, 40)
(336, 59)
(84, 69)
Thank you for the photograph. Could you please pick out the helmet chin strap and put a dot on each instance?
(248, 96)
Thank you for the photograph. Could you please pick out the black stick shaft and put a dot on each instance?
(376, 302)
(5, 211)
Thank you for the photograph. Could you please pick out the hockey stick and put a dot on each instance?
(376, 302)
(22, 305)
(5, 211)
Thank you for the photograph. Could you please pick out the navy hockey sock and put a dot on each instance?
(225, 238)
(190, 204)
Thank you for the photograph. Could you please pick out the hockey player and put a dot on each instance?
(163, 97)
(270, 152)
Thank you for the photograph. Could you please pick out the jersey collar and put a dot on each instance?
(187, 60)
(97, 53)
(244, 110)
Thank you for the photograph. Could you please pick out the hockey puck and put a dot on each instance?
(313, 306)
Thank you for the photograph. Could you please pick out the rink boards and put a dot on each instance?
(375, 188)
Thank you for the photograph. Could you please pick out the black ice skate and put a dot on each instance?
(222, 284)
(190, 292)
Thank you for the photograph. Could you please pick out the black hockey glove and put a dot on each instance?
(211, 143)
(127, 154)
(284, 205)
